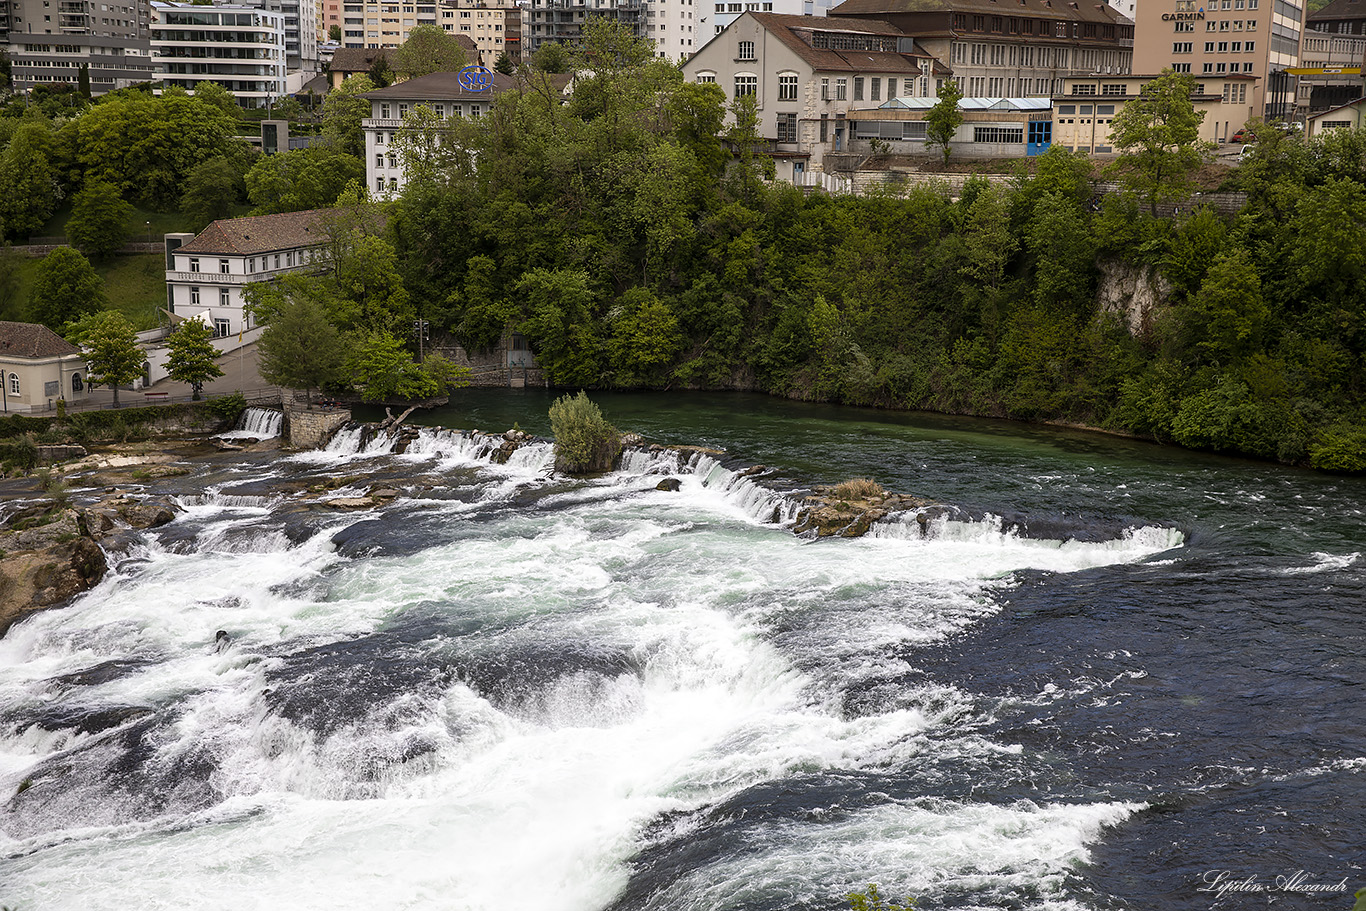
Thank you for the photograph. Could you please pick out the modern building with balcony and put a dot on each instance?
(563, 20)
(242, 48)
(495, 27)
(1334, 39)
(372, 24)
(48, 41)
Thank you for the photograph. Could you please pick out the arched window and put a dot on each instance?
(14, 384)
(76, 384)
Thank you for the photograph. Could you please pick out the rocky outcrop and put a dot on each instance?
(49, 557)
(832, 512)
(1133, 292)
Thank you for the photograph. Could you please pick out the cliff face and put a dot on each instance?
(49, 557)
(1133, 292)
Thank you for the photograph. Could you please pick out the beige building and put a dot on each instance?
(1258, 38)
(38, 367)
(1010, 48)
(1343, 117)
(807, 74)
(376, 25)
(495, 26)
(1083, 113)
(1334, 47)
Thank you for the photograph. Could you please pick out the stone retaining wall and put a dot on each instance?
(305, 429)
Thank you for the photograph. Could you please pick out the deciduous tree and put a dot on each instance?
(343, 111)
(300, 348)
(65, 287)
(113, 352)
(29, 188)
(99, 223)
(942, 120)
(192, 355)
(429, 49)
(309, 178)
(1158, 137)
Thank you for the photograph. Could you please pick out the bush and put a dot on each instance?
(1341, 449)
(228, 407)
(584, 442)
(858, 489)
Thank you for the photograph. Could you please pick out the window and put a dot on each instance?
(1105, 110)
(1114, 90)
(825, 89)
(194, 295)
(1209, 47)
(706, 78)
(876, 86)
(998, 134)
(223, 300)
(76, 384)
(746, 51)
(1223, 47)
(251, 264)
(1249, 46)
(841, 88)
(223, 266)
(222, 328)
(379, 159)
(384, 111)
(825, 128)
(1064, 109)
(194, 264)
(1236, 48)
(858, 88)
(787, 87)
(1083, 89)
(379, 184)
(14, 384)
(277, 260)
(1324, 125)
(1184, 27)
(787, 127)
(746, 84)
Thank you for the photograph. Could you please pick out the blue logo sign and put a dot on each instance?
(475, 78)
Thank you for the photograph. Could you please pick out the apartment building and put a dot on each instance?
(1334, 38)
(674, 28)
(1010, 48)
(1205, 38)
(563, 20)
(807, 74)
(384, 24)
(301, 35)
(48, 41)
(495, 26)
(242, 48)
(1083, 111)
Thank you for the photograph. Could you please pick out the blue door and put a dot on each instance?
(1040, 137)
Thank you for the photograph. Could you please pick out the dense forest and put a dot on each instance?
(631, 236)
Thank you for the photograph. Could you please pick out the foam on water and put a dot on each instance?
(256, 423)
(708, 643)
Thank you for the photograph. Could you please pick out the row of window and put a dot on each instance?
(1011, 25)
(50, 388)
(1224, 47)
(438, 107)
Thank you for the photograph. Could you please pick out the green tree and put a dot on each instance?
(343, 111)
(645, 336)
(100, 220)
(381, 72)
(113, 353)
(1224, 321)
(584, 441)
(386, 371)
(83, 81)
(1158, 137)
(65, 287)
(697, 111)
(552, 57)
(192, 355)
(561, 329)
(504, 65)
(334, 33)
(29, 187)
(429, 49)
(304, 179)
(212, 188)
(300, 348)
(942, 120)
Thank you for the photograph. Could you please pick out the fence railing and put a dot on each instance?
(132, 399)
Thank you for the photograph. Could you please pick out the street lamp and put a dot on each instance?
(149, 231)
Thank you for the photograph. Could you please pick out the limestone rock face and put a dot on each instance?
(829, 515)
(48, 558)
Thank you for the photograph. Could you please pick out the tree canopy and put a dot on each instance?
(429, 49)
(65, 288)
(1158, 138)
(100, 220)
(192, 355)
(111, 348)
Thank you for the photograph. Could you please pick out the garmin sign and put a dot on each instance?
(1183, 17)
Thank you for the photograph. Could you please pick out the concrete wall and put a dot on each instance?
(306, 429)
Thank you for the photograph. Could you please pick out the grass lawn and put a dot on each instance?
(135, 286)
(161, 223)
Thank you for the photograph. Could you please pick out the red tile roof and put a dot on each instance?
(260, 233)
(32, 340)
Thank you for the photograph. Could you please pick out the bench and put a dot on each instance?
(157, 396)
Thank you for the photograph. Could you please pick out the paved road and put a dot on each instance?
(239, 375)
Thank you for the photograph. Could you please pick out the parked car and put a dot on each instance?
(1244, 135)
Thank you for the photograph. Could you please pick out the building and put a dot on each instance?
(242, 48)
(1014, 49)
(205, 273)
(991, 127)
(718, 16)
(353, 61)
(370, 24)
(301, 35)
(674, 28)
(1082, 113)
(48, 41)
(807, 74)
(563, 20)
(1343, 117)
(494, 26)
(1258, 38)
(443, 93)
(38, 367)
(1334, 39)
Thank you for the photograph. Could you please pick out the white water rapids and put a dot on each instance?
(494, 701)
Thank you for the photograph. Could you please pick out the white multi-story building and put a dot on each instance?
(674, 28)
(242, 48)
(301, 35)
(206, 273)
(383, 24)
(50, 40)
(717, 15)
(443, 93)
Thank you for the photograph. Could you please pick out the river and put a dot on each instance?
(1116, 676)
